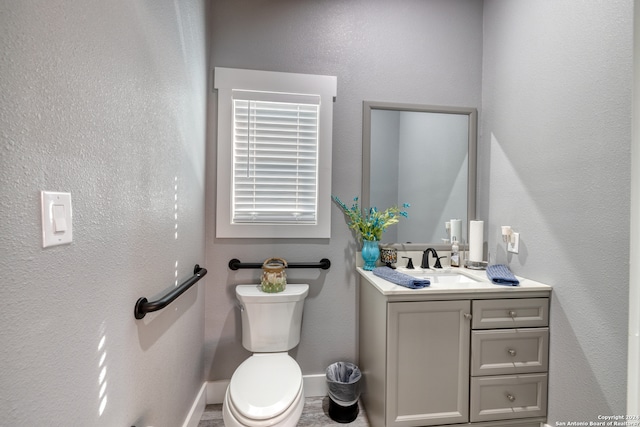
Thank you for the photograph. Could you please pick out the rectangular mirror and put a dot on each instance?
(423, 155)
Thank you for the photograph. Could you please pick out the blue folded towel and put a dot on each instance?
(501, 275)
(401, 279)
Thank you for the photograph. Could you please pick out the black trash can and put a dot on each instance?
(343, 380)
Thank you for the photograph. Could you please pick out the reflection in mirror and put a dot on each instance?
(422, 155)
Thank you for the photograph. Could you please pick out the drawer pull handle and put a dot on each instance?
(511, 352)
(512, 314)
(511, 397)
(467, 316)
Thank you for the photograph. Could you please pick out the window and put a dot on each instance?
(275, 160)
(274, 154)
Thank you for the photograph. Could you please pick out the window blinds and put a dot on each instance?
(275, 157)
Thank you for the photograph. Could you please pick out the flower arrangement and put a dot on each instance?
(372, 225)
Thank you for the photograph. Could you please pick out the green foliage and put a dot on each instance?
(372, 225)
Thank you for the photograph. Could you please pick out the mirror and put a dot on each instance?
(423, 155)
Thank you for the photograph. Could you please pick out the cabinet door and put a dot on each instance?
(428, 363)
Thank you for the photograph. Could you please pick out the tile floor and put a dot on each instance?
(314, 414)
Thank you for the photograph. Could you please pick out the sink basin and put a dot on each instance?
(448, 278)
(444, 277)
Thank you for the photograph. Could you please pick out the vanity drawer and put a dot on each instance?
(510, 313)
(509, 351)
(508, 397)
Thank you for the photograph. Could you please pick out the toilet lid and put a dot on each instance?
(265, 385)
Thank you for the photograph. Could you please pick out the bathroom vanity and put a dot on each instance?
(462, 351)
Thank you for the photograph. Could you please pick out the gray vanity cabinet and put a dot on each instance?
(476, 359)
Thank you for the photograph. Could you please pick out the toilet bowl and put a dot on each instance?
(267, 389)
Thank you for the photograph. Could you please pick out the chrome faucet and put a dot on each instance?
(425, 258)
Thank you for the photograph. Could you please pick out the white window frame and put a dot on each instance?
(226, 80)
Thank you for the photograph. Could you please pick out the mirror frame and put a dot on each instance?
(472, 160)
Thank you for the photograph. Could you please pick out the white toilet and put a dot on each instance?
(266, 389)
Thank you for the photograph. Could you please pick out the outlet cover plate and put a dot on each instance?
(515, 246)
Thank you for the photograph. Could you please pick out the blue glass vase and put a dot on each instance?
(370, 254)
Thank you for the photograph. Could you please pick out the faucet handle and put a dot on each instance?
(410, 263)
(437, 264)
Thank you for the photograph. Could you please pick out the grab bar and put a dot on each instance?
(143, 306)
(324, 264)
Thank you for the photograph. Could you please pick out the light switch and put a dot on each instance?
(56, 218)
(59, 219)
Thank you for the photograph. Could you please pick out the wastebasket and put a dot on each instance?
(343, 380)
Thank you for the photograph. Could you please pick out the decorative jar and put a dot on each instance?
(389, 256)
(274, 278)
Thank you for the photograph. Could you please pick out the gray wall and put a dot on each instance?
(556, 134)
(422, 52)
(105, 100)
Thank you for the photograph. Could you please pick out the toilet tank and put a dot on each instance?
(271, 322)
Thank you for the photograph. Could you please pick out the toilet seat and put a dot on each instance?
(289, 418)
(265, 387)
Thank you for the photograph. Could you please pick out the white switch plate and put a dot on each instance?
(56, 218)
(515, 246)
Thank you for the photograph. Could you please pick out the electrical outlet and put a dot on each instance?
(514, 246)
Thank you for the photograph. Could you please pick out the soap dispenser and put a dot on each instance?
(455, 253)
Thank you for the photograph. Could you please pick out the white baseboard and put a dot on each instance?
(195, 414)
(314, 386)
(216, 391)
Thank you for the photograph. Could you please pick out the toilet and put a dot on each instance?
(266, 389)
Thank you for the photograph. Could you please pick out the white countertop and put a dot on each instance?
(482, 285)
